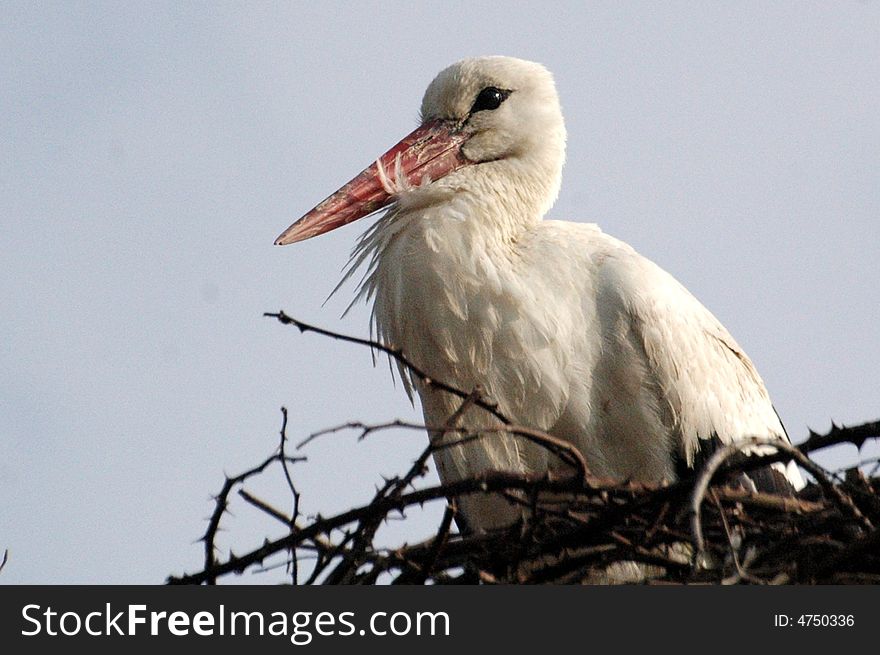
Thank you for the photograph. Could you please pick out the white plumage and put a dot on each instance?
(568, 329)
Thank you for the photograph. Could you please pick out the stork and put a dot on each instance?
(567, 329)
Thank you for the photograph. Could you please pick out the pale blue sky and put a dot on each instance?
(151, 152)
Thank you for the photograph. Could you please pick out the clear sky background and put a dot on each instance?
(151, 152)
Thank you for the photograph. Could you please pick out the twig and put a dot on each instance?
(221, 502)
(838, 434)
(395, 353)
(265, 507)
(564, 450)
(294, 516)
(437, 544)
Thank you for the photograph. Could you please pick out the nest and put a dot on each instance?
(706, 528)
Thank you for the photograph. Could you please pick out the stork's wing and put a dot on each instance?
(707, 390)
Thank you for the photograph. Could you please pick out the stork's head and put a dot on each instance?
(488, 124)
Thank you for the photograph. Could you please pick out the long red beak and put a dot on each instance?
(428, 153)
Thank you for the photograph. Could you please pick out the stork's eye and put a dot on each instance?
(489, 98)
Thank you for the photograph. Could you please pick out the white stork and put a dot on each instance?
(567, 329)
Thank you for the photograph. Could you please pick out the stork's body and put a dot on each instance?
(569, 330)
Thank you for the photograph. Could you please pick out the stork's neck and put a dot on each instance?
(476, 214)
(455, 240)
(444, 241)
(495, 201)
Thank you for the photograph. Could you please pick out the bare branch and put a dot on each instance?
(396, 354)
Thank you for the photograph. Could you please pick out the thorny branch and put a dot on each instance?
(221, 500)
(574, 527)
(397, 355)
